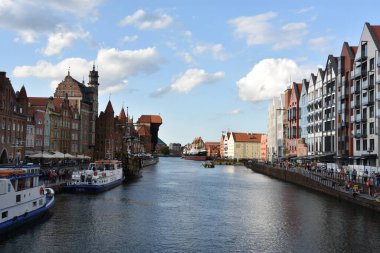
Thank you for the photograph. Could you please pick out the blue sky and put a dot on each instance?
(204, 66)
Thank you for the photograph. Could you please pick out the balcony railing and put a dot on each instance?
(378, 95)
(352, 118)
(358, 118)
(365, 85)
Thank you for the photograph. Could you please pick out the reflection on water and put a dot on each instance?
(178, 206)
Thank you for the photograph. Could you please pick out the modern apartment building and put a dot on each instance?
(344, 112)
(365, 112)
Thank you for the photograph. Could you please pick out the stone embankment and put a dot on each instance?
(328, 183)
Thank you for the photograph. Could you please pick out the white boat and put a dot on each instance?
(99, 176)
(23, 197)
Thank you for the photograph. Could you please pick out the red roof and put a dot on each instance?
(150, 119)
(109, 108)
(122, 116)
(246, 137)
(57, 102)
(38, 101)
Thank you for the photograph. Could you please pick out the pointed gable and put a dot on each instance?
(109, 108)
(122, 116)
(22, 94)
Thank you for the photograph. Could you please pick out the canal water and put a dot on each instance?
(179, 206)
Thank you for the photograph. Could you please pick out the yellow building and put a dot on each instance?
(242, 145)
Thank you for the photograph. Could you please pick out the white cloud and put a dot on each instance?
(143, 20)
(187, 33)
(60, 40)
(322, 44)
(33, 18)
(194, 77)
(115, 67)
(235, 112)
(305, 10)
(216, 50)
(291, 35)
(128, 39)
(189, 80)
(187, 57)
(258, 30)
(269, 78)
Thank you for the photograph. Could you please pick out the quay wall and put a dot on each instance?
(320, 186)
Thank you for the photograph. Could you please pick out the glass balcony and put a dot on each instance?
(358, 118)
(365, 85)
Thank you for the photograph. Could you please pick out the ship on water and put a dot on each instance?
(195, 151)
(23, 196)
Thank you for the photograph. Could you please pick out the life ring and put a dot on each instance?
(41, 191)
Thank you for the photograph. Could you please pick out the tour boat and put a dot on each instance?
(100, 176)
(23, 197)
(196, 155)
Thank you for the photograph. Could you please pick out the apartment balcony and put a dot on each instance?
(365, 85)
(357, 134)
(378, 114)
(343, 96)
(362, 58)
(357, 72)
(358, 118)
(355, 89)
(378, 96)
(366, 101)
(371, 85)
(352, 118)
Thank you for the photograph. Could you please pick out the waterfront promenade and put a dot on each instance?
(358, 189)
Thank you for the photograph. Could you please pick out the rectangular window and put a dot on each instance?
(371, 144)
(372, 64)
(357, 145)
(34, 203)
(18, 198)
(365, 144)
(371, 128)
(371, 112)
(4, 214)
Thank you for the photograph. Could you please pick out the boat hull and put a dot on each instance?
(195, 157)
(27, 218)
(91, 188)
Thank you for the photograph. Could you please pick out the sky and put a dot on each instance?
(204, 66)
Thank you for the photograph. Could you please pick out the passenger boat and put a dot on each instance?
(195, 155)
(100, 176)
(23, 197)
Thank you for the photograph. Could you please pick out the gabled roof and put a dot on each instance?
(305, 84)
(22, 94)
(122, 116)
(374, 30)
(350, 50)
(150, 119)
(246, 137)
(38, 101)
(109, 108)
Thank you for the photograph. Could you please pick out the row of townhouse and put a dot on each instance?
(67, 123)
(332, 116)
(62, 123)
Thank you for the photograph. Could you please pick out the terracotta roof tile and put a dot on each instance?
(246, 137)
(150, 119)
(109, 108)
(38, 101)
(122, 115)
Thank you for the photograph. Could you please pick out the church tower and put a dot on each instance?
(93, 83)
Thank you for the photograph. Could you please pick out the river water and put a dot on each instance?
(178, 206)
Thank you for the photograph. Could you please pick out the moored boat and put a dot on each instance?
(23, 198)
(100, 176)
(208, 164)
